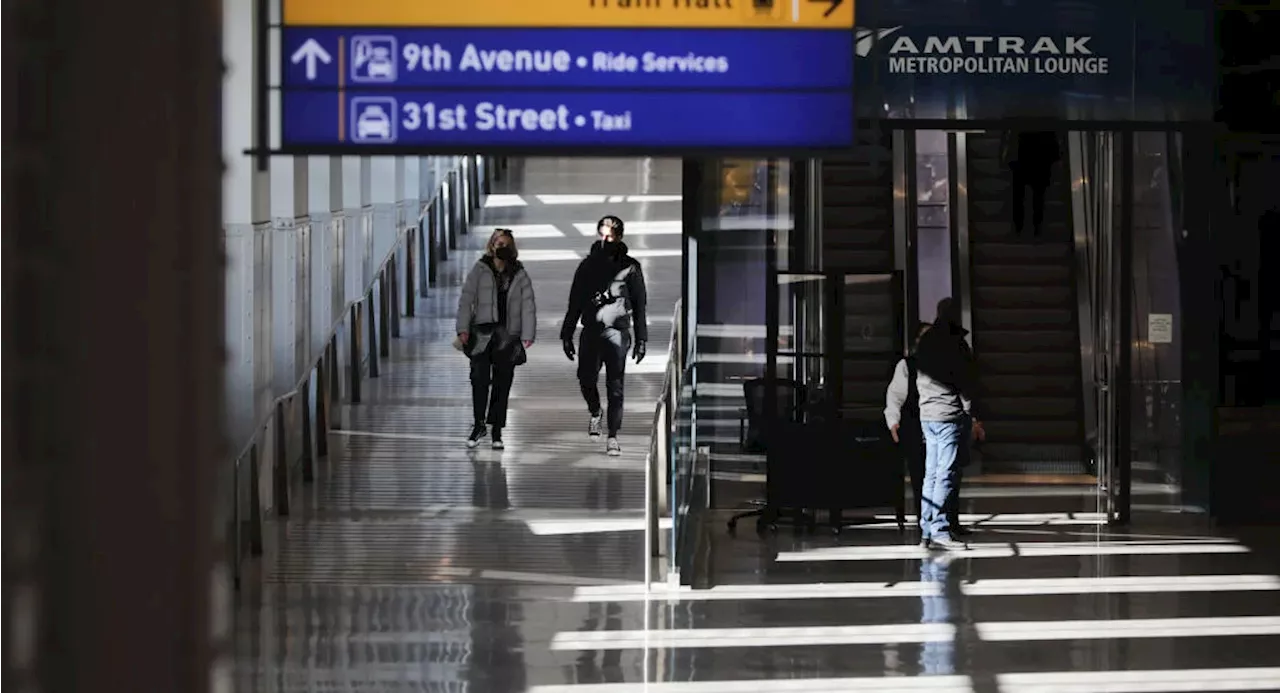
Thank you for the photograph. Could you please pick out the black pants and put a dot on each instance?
(608, 347)
(911, 444)
(1037, 179)
(491, 377)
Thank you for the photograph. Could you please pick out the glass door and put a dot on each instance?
(837, 336)
(1102, 216)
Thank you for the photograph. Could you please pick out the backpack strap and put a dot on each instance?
(913, 394)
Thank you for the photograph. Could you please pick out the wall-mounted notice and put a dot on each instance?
(1160, 328)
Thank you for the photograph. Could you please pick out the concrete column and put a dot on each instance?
(412, 186)
(426, 178)
(288, 176)
(353, 197)
(335, 183)
(114, 347)
(246, 202)
(384, 193)
(353, 201)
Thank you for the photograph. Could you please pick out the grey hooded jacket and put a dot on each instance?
(478, 304)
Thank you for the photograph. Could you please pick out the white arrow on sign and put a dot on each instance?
(311, 51)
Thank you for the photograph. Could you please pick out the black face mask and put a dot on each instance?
(505, 253)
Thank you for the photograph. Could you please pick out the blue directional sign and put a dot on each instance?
(579, 58)
(474, 120)
(743, 81)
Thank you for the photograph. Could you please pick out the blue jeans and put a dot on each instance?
(937, 657)
(942, 441)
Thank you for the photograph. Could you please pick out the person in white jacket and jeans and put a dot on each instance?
(497, 321)
(946, 383)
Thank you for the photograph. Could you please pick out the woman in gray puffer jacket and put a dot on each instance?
(497, 321)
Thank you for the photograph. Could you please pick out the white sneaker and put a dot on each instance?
(594, 427)
(613, 448)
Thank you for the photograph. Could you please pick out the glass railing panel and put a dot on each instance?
(685, 504)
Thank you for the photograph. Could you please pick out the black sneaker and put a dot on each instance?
(594, 427)
(477, 432)
(496, 437)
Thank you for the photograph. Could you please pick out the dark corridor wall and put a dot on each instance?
(731, 291)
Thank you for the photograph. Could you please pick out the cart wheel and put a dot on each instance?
(835, 530)
(733, 524)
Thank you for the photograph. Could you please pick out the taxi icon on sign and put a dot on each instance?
(373, 59)
(371, 120)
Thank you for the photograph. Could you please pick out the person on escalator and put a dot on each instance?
(608, 296)
(497, 321)
(1030, 156)
(946, 381)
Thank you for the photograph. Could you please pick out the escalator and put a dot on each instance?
(857, 239)
(1026, 330)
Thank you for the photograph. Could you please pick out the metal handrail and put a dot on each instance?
(657, 464)
(272, 418)
(334, 329)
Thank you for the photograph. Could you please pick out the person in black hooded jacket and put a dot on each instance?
(608, 295)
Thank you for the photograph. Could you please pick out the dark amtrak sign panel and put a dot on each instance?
(567, 75)
(1135, 60)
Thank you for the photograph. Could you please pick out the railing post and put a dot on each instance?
(426, 255)
(464, 199)
(410, 265)
(393, 295)
(323, 373)
(304, 406)
(281, 464)
(371, 299)
(332, 413)
(384, 313)
(255, 502)
(235, 544)
(439, 253)
(450, 211)
(354, 333)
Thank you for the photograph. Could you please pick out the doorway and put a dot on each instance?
(1076, 330)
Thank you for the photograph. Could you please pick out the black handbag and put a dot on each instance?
(484, 329)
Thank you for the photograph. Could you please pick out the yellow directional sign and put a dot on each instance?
(623, 14)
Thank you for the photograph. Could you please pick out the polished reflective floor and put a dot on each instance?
(415, 565)
(409, 563)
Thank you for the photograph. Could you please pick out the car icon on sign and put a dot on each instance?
(380, 65)
(373, 124)
(373, 59)
(371, 118)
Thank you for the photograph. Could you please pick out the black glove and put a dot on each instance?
(638, 352)
(569, 351)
